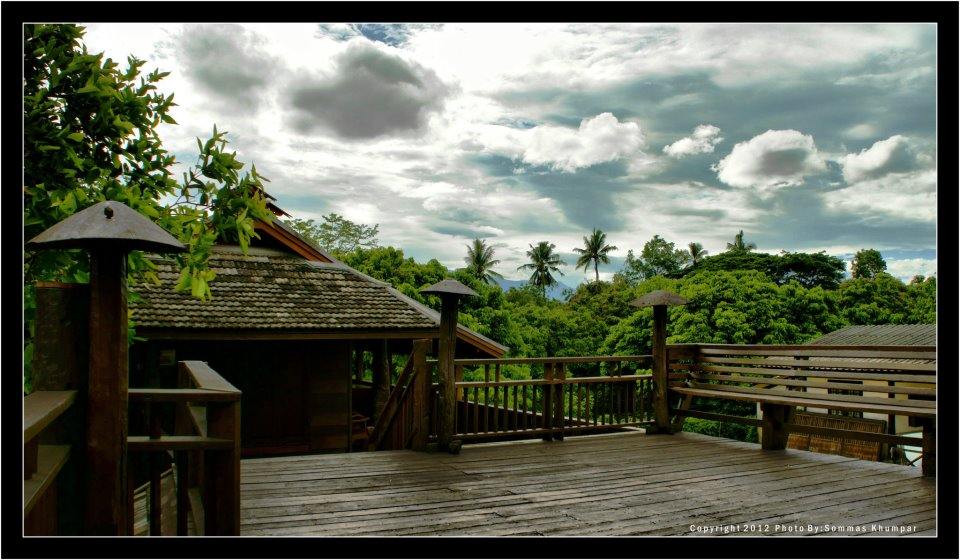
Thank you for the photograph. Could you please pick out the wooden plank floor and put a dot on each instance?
(616, 484)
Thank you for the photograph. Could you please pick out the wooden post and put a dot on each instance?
(421, 395)
(546, 406)
(773, 434)
(448, 341)
(106, 434)
(558, 422)
(661, 411)
(928, 463)
(381, 378)
(222, 483)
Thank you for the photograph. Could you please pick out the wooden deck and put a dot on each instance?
(617, 484)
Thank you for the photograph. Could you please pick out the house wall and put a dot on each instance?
(296, 395)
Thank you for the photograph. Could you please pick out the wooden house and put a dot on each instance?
(292, 328)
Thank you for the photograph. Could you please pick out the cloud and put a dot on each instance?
(598, 139)
(905, 269)
(372, 92)
(776, 158)
(704, 139)
(861, 131)
(904, 195)
(227, 61)
(893, 155)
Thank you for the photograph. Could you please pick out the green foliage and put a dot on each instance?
(808, 269)
(544, 263)
(739, 245)
(658, 258)
(595, 250)
(480, 261)
(721, 429)
(336, 233)
(697, 252)
(91, 134)
(867, 263)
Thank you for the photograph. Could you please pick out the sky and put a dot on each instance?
(806, 137)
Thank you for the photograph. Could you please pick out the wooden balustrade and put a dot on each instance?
(555, 404)
(43, 458)
(404, 422)
(203, 448)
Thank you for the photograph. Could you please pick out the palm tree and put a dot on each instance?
(697, 252)
(594, 251)
(739, 245)
(543, 262)
(480, 261)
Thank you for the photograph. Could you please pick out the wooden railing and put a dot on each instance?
(404, 421)
(203, 440)
(43, 459)
(608, 395)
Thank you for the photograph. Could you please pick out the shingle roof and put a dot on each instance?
(268, 289)
(880, 335)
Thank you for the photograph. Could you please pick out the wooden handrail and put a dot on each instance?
(41, 408)
(547, 360)
(206, 444)
(392, 406)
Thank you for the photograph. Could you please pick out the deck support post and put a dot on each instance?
(106, 432)
(659, 300)
(448, 403)
(928, 463)
(774, 434)
(450, 292)
(661, 409)
(381, 377)
(547, 404)
(421, 395)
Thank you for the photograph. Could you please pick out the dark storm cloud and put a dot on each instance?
(227, 62)
(371, 93)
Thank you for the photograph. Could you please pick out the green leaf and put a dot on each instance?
(76, 136)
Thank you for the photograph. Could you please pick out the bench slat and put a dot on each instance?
(850, 399)
(897, 389)
(865, 376)
(919, 354)
(824, 363)
(808, 402)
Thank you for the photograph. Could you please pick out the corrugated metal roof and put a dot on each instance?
(879, 335)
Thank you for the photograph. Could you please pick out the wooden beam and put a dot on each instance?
(773, 433)
(106, 433)
(661, 407)
(177, 443)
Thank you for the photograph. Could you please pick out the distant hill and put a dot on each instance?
(553, 292)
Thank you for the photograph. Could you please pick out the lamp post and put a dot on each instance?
(659, 300)
(108, 230)
(450, 292)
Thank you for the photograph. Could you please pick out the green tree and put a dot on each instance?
(91, 134)
(658, 258)
(543, 262)
(480, 261)
(739, 245)
(595, 250)
(867, 263)
(922, 300)
(697, 252)
(336, 233)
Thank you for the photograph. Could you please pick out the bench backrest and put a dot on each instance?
(901, 377)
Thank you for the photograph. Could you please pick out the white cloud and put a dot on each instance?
(893, 155)
(599, 139)
(905, 269)
(776, 158)
(907, 195)
(703, 140)
(861, 131)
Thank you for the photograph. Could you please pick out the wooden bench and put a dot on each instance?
(884, 380)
